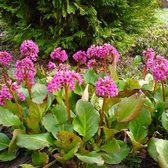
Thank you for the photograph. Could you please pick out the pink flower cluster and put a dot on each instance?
(80, 56)
(5, 58)
(64, 78)
(159, 68)
(149, 55)
(101, 51)
(106, 87)
(29, 49)
(5, 92)
(25, 71)
(91, 63)
(59, 54)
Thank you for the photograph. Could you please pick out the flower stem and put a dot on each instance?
(18, 106)
(105, 65)
(155, 87)
(145, 71)
(67, 101)
(28, 86)
(101, 119)
(163, 91)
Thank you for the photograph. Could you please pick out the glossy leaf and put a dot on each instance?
(136, 145)
(8, 119)
(39, 93)
(4, 141)
(34, 142)
(90, 77)
(91, 158)
(86, 122)
(12, 144)
(39, 158)
(117, 156)
(158, 150)
(26, 166)
(109, 132)
(36, 112)
(7, 156)
(165, 120)
(129, 108)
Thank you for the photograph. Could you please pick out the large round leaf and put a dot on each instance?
(39, 93)
(116, 156)
(86, 122)
(34, 142)
(129, 108)
(158, 150)
(8, 119)
(4, 141)
(91, 158)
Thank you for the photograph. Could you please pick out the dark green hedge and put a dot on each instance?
(75, 24)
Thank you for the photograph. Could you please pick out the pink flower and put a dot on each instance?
(59, 54)
(64, 78)
(63, 67)
(160, 68)
(5, 58)
(29, 49)
(106, 87)
(100, 52)
(51, 65)
(25, 71)
(5, 92)
(80, 56)
(91, 52)
(149, 55)
(91, 63)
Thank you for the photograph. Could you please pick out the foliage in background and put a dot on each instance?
(155, 37)
(53, 23)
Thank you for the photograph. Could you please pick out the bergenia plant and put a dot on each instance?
(64, 79)
(105, 88)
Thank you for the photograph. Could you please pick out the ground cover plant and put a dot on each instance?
(83, 115)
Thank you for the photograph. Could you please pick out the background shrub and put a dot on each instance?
(75, 24)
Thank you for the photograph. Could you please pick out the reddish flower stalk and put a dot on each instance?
(163, 91)
(102, 116)
(67, 101)
(18, 106)
(145, 71)
(105, 64)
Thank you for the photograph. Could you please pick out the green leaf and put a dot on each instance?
(8, 119)
(129, 108)
(132, 84)
(117, 156)
(109, 132)
(113, 71)
(136, 145)
(90, 77)
(71, 153)
(39, 158)
(86, 122)
(57, 121)
(4, 141)
(36, 112)
(39, 93)
(34, 142)
(60, 114)
(6, 156)
(158, 150)
(165, 120)
(26, 166)
(91, 158)
(12, 144)
(111, 146)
